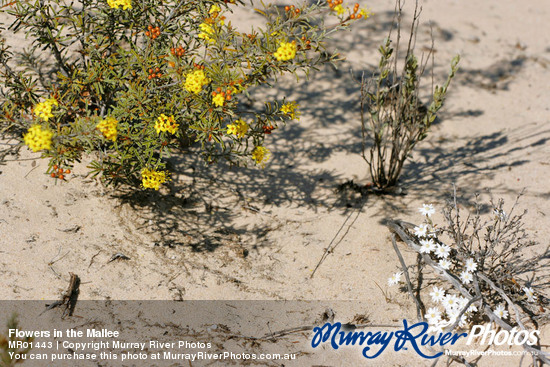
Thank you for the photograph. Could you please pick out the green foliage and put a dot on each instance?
(393, 118)
(131, 62)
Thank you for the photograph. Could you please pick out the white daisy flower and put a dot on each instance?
(471, 265)
(530, 293)
(427, 209)
(452, 314)
(501, 312)
(450, 302)
(433, 316)
(438, 294)
(466, 277)
(395, 278)
(427, 246)
(421, 230)
(445, 264)
(442, 251)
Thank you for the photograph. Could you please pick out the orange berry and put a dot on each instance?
(150, 77)
(287, 8)
(297, 11)
(61, 177)
(218, 90)
(159, 75)
(67, 171)
(359, 16)
(352, 16)
(55, 166)
(52, 174)
(149, 27)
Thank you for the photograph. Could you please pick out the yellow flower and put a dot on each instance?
(365, 13)
(339, 9)
(108, 128)
(215, 9)
(239, 128)
(206, 32)
(291, 110)
(37, 138)
(44, 109)
(165, 123)
(286, 51)
(195, 80)
(126, 4)
(261, 155)
(152, 179)
(218, 100)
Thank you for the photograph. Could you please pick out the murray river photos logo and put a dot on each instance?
(415, 336)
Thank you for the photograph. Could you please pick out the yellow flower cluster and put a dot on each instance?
(365, 13)
(195, 80)
(108, 128)
(206, 32)
(291, 110)
(44, 109)
(37, 138)
(239, 128)
(261, 155)
(125, 4)
(215, 9)
(218, 100)
(286, 51)
(152, 179)
(165, 123)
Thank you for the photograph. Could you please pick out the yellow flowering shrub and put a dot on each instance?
(135, 79)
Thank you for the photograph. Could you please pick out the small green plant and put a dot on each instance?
(10, 355)
(130, 81)
(393, 119)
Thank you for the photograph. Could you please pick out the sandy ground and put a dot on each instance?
(244, 233)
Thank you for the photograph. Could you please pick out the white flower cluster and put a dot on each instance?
(427, 235)
(452, 304)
